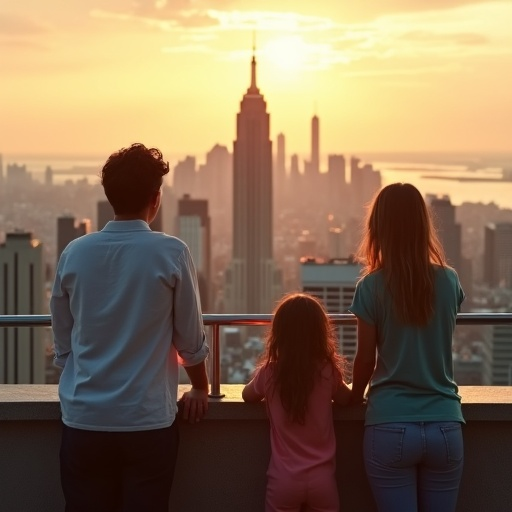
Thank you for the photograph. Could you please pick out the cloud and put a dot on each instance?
(461, 38)
(454, 31)
(14, 25)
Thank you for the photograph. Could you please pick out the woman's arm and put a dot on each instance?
(364, 362)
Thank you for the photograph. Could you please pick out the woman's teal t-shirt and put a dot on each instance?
(413, 376)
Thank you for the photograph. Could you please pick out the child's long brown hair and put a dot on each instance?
(401, 241)
(301, 338)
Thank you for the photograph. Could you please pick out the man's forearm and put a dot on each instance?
(198, 376)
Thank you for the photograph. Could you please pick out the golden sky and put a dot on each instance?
(91, 76)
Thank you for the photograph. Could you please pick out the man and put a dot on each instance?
(125, 304)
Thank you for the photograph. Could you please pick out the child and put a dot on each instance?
(300, 376)
(406, 306)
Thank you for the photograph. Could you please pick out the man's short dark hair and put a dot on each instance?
(131, 176)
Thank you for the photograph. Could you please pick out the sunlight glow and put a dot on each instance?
(286, 52)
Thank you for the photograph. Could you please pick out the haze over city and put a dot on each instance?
(89, 77)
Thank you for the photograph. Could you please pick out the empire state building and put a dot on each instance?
(253, 284)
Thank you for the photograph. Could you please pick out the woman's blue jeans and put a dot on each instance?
(414, 467)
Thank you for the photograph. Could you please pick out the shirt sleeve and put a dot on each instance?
(62, 320)
(363, 303)
(188, 334)
(260, 380)
(462, 295)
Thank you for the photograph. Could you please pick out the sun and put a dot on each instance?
(287, 52)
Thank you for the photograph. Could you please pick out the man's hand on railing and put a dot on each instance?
(195, 404)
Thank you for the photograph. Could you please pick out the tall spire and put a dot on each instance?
(253, 89)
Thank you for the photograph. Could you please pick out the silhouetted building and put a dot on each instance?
(214, 181)
(68, 229)
(280, 187)
(184, 177)
(313, 166)
(48, 176)
(22, 350)
(252, 282)
(365, 183)
(17, 177)
(498, 255)
(105, 213)
(194, 229)
(449, 232)
(336, 189)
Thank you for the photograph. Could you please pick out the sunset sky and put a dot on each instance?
(90, 76)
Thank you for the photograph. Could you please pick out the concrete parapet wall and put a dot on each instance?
(223, 459)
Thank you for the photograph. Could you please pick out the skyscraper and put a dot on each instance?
(280, 170)
(252, 281)
(498, 255)
(312, 166)
(315, 145)
(68, 229)
(22, 351)
(104, 213)
(449, 231)
(194, 229)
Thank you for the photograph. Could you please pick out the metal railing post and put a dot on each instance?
(215, 363)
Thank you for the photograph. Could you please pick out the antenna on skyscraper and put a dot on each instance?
(253, 88)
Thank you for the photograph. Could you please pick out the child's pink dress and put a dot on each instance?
(302, 464)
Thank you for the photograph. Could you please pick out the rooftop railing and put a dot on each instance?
(215, 321)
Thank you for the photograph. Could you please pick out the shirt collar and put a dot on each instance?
(126, 225)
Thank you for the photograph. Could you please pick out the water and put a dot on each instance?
(452, 180)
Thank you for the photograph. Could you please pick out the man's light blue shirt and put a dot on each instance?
(125, 304)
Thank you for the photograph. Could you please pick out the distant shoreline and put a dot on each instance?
(460, 178)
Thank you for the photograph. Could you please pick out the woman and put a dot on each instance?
(406, 306)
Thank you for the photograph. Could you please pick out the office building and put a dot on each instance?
(497, 356)
(449, 232)
(365, 183)
(17, 177)
(104, 214)
(313, 167)
(22, 349)
(68, 229)
(498, 255)
(280, 188)
(184, 177)
(193, 227)
(253, 283)
(334, 283)
(336, 187)
(214, 182)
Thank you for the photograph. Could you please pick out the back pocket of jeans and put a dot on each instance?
(387, 444)
(452, 433)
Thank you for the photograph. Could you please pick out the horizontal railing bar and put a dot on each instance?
(256, 319)
(216, 320)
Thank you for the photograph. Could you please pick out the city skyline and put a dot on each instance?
(92, 78)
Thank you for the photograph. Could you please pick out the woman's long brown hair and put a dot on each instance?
(401, 241)
(300, 339)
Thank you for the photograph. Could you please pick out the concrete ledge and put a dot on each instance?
(223, 460)
(41, 402)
